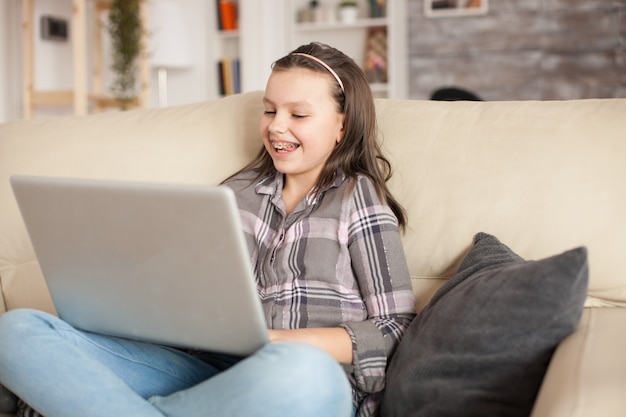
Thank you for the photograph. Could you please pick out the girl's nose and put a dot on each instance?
(278, 124)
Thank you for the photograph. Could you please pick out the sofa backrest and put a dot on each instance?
(541, 176)
(196, 143)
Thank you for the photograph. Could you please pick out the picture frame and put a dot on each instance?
(455, 8)
(375, 62)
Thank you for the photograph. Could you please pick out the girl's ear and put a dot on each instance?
(342, 130)
(339, 136)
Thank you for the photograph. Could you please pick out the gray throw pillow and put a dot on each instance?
(481, 347)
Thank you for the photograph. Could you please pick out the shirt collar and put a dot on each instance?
(272, 184)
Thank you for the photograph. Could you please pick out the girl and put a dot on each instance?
(323, 233)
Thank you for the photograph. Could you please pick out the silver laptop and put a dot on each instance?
(155, 262)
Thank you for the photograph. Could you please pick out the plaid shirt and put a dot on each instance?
(336, 260)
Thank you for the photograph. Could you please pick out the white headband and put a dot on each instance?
(325, 65)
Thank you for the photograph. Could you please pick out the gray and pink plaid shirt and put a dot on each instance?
(336, 260)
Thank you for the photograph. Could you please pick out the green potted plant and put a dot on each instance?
(348, 11)
(125, 27)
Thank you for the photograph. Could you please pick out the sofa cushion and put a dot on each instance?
(483, 343)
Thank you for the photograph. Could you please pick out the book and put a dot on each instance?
(236, 74)
(229, 76)
(378, 8)
(220, 78)
(227, 15)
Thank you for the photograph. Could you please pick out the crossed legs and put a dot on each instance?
(62, 371)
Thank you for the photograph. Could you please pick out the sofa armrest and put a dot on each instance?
(587, 374)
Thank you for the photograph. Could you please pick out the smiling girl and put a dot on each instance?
(322, 224)
(323, 233)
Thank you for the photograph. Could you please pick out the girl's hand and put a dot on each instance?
(333, 340)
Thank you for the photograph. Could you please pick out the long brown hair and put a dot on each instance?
(359, 151)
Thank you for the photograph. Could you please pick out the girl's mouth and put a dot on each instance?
(284, 147)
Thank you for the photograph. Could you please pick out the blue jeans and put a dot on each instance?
(61, 371)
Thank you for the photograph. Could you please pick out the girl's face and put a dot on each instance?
(300, 125)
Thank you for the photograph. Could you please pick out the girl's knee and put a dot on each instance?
(304, 357)
(313, 373)
(20, 323)
(25, 315)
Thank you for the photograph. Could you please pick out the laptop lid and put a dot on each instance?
(162, 263)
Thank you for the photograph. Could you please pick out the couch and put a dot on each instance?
(542, 176)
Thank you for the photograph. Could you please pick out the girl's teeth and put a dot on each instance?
(281, 146)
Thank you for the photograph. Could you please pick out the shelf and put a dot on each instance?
(228, 34)
(79, 96)
(359, 24)
(52, 98)
(268, 29)
(104, 101)
(379, 87)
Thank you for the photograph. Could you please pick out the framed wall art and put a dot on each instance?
(455, 8)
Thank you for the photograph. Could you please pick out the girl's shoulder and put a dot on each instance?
(362, 191)
(363, 184)
(361, 200)
(364, 181)
(242, 179)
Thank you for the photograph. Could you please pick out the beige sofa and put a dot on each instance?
(541, 176)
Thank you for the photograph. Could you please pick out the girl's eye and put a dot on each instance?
(294, 115)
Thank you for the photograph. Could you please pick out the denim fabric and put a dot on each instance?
(61, 371)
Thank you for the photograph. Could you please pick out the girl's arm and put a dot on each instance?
(333, 340)
(378, 263)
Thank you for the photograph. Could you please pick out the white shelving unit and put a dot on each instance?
(269, 29)
(259, 40)
(351, 38)
(80, 97)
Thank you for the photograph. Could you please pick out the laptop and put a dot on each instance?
(162, 263)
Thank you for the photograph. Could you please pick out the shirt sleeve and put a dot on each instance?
(381, 270)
